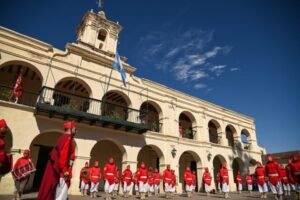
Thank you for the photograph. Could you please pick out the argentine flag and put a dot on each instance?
(119, 67)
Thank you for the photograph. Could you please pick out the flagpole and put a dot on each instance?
(105, 91)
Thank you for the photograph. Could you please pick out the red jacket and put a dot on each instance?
(167, 176)
(127, 176)
(150, 178)
(288, 169)
(136, 178)
(283, 176)
(95, 174)
(238, 178)
(249, 179)
(109, 173)
(156, 178)
(206, 178)
(143, 175)
(188, 178)
(224, 175)
(260, 175)
(296, 171)
(173, 183)
(272, 171)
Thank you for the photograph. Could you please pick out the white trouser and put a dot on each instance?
(240, 187)
(108, 188)
(219, 186)
(156, 188)
(151, 188)
(276, 189)
(207, 188)
(250, 187)
(61, 190)
(286, 187)
(136, 187)
(126, 187)
(194, 187)
(116, 187)
(263, 188)
(168, 188)
(293, 187)
(94, 187)
(143, 187)
(225, 187)
(173, 189)
(84, 186)
(188, 188)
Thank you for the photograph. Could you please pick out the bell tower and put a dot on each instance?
(98, 33)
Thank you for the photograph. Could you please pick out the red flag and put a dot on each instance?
(17, 90)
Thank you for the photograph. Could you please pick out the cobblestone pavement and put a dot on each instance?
(199, 196)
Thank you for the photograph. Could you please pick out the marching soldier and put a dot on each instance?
(117, 181)
(156, 179)
(296, 174)
(207, 181)
(218, 181)
(188, 180)
(288, 169)
(109, 176)
(58, 173)
(272, 172)
(261, 180)
(84, 179)
(249, 182)
(167, 180)
(150, 182)
(284, 180)
(95, 177)
(127, 181)
(173, 190)
(194, 180)
(239, 182)
(143, 178)
(136, 182)
(22, 170)
(224, 180)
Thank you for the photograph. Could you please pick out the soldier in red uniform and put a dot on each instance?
(143, 179)
(206, 178)
(58, 173)
(194, 180)
(95, 177)
(284, 180)
(5, 160)
(150, 182)
(239, 182)
(224, 180)
(188, 181)
(156, 179)
(84, 179)
(288, 169)
(109, 176)
(272, 170)
(22, 170)
(295, 171)
(167, 180)
(127, 181)
(117, 181)
(218, 182)
(173, 190)
(261, 180)
(136, 182)
(249, 182)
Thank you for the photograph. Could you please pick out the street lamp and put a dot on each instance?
(173, 152)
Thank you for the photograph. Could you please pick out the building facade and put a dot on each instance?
(145, 121)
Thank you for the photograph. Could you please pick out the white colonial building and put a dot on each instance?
(144, 121)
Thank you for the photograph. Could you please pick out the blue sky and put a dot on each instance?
(243, 55)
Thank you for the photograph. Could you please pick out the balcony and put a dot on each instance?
(55, 103)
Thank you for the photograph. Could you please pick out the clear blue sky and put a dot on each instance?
(243, 55)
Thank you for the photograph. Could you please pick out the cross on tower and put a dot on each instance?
(100, 4)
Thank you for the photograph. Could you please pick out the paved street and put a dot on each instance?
(200, 196)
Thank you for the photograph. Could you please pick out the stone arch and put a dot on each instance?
(187, 124)
(192, 159)
(152, 156)
(217, 162)
(231, 134)
(245, 136)
(214, 130)
(151, 113)
(74, 85)
(40, 148)
(32, 80)
(237, 165)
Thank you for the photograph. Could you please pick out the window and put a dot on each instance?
(102, 35)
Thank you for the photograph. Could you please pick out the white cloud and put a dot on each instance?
(200, 86)
(234, 69)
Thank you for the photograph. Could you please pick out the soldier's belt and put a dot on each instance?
(273, 175)
(110, 174)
